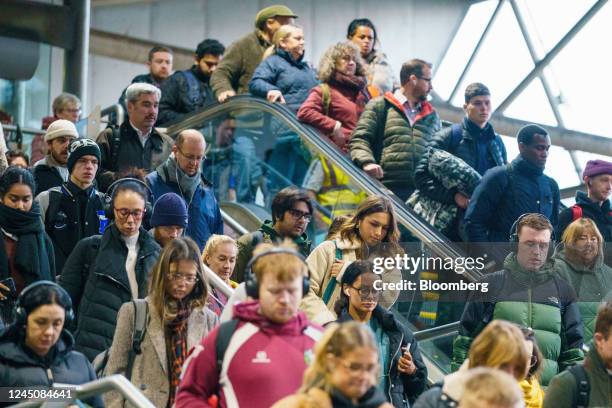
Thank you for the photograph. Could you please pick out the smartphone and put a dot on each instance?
(9, 283)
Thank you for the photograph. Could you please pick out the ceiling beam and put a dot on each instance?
(110, 3)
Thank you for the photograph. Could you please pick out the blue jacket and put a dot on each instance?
(204, 214)
(504, 194)
(281, 72)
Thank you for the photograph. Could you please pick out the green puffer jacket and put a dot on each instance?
(393, 144)
(540, 300)
(591, 286)
(239, 62)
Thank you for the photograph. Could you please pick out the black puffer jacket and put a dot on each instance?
(97, 281)
(179, 98)
(602, 215)
(403, 389)
(21, 367)
(46, 177)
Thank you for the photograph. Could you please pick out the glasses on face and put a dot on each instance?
(356, 368)
(425, 79)
(365, 292)
(77, 110)
(297, 214)
(124, 213)
(191, 279)
(192, 158)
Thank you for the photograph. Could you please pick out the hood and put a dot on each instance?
(373, 398)
(287, 56)
(561, 256)
(249, 312)
(524, 276)
(14, 351)
(583, 200)
(267, 228)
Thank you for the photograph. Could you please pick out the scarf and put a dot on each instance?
(355, 83)
(176, 343)
(31, 257)
(171, 173)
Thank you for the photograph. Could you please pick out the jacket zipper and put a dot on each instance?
(529, 302)
(114, 280)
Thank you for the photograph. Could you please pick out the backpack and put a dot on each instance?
(141, 314)
(456, 137)
(194, 95)
(581, 398)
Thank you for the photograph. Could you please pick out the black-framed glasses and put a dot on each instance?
(191, 279)
(124, 213)
(425, 79)
(365, 292)
(297, 214)
(192, 158)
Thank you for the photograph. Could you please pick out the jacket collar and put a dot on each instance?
(289, 58)
(474, 132)
(524, 276)
(13, 348)
(583, 200)
(154, 137)
(267, 228)
(524, 167)
(425, 107)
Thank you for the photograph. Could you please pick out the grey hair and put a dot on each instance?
(134, 91)
(60, 102)
(327, 65)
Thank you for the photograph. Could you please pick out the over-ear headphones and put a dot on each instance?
(109, 197)
(252, 286)
(514, 238)
(21, 314)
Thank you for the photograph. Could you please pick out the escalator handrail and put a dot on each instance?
(235, 225)
(438, 331)
(418, 227)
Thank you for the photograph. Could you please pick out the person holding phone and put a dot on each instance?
(402, 373)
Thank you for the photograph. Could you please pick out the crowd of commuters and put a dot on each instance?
(102, 237)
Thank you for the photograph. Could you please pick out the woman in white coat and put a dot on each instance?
(177, 320)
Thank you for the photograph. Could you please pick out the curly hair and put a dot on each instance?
(327, 65)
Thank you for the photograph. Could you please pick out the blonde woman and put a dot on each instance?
(334, 107)
(579, 259)
(177, 319)
(500, 345)
(344, 372)
(371, 232)
(283, 76)
(220, 256)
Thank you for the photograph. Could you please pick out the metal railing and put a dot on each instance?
(218, 283)
(235, 225)
(91, 389)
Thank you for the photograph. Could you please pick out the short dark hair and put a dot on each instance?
(360, 22)
(211, 47)
(604, 319)
(45, 295)
(352, 272)
(285, 199)
(12, 154)
(414, 66)
(526, 133)
(159, 48)
(16, 175)
(476, 89)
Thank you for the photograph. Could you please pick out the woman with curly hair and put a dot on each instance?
(334, 107)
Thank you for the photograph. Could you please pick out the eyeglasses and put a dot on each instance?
(356, 368)
(79, 110)
(124, 213)
(365, 292)
(425, 79)
(192, 158)
(191, 279)
(297, 214)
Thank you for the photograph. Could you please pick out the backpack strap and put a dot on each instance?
(325, 98)
(115, 144)
(194, 94)
(226, 331)
(456, 137)
(331, 286)
(576, 212)
(581, 398)
(55, 200)
(141, 311)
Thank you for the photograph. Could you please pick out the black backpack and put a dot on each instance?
(581, 398)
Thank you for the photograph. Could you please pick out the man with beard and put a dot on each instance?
(291, 213)
(189, 90)
(136, 143)
(71, 211)
(180, 174)
(394, 130)
(51, 171)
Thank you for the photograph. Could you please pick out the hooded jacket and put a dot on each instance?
(281, 72)
(21, 367)
(602, 215)
(540, 300)
(402, 390)
(96, 279)
(591, 286)
(47, 174)
(277, 353)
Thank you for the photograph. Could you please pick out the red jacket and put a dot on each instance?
(346, 106)
(264, 362)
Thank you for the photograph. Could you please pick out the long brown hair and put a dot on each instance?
(180, 249)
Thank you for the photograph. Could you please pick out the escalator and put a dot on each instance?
(256, 148)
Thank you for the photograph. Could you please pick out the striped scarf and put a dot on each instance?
(176, 330)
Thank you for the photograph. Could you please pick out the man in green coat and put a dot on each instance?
(595, 372)
(242, 57)
(395, 129)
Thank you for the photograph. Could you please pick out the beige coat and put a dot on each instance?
(150, 373)
(320, 262)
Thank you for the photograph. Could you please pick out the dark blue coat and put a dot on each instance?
(504, 194)
(204, 213)
(281, 72)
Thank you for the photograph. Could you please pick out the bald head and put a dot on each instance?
(189, 149)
